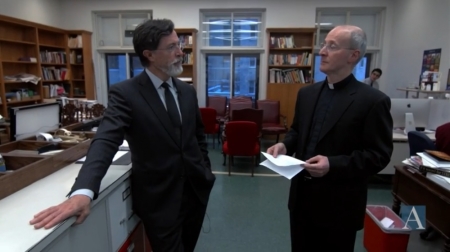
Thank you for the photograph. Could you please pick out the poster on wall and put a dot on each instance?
(429, 76)
(448, 80)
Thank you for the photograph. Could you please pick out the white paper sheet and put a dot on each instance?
(386, 222)
(284, 165)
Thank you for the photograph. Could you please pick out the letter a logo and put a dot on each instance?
(413, 216)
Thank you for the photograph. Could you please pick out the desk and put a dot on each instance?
(412, 188)
(427, 92)
(107, 227)
(400, 152)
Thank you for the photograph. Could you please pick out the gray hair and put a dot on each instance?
(358, 40)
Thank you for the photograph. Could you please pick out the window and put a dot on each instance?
(232, 29)
(231, 74)
(361, 70)
(232, 44)
(369, 19)
(115, 29)
(121, 66)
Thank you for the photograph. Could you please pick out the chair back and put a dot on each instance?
(209, 119)
(239, 104)
(249, 114)
(219, 103)
(419, 142)
(443, 138)
(271, 110)
(242, 137)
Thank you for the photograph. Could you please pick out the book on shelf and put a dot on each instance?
(282, 42)
(303, 59)
(291, 75)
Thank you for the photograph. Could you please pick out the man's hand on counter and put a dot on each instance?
(78, 205)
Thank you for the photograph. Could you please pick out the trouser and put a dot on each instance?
(306, 237)
(183, 235)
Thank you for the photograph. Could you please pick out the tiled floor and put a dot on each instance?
(248, 214)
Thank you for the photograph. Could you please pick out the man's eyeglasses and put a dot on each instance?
(332, 47)
(172, 48)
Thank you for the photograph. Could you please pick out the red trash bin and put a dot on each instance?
(378, 238)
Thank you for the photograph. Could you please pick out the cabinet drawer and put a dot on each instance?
(121, 218)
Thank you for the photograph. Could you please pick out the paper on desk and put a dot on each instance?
(284, 165)
(124, 146)
(117, 156)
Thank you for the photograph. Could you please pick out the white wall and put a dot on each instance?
(185, 14)
(417, 26)
(46, 12)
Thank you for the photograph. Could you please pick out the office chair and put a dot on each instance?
(419, 142)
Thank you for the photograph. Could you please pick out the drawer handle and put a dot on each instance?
(122, 221)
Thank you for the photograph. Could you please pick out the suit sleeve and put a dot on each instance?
(377, 146)
(200, 133)
(291, 138)
(106, 142)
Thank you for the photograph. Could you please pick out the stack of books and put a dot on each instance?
(435, 162)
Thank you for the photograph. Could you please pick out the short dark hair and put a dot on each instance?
(148, 34)
(377, 70)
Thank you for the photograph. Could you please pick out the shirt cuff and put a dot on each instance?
(85, 192)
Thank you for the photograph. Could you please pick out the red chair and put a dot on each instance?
(210, 123)
(271, 118)
(219, 103)
(249, 114)
(238, 104)
(241, 140)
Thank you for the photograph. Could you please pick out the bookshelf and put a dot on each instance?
(290, 65)
(29, 50)
(81, 65)
(188, 39)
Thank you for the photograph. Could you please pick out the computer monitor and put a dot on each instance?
(420, 108)
(439, 113)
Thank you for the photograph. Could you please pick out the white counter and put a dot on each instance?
(16, 210)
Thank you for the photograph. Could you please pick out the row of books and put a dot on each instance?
(52, 73)
(188, 58)
(291, 75)
(53, 57)
(282, 42)
(303, 59)
(185, 40)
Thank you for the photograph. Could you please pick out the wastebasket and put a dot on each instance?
(377, 237)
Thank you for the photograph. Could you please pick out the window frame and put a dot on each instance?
(98, 31)
(207, 14)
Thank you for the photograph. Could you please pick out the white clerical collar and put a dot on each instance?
(331, 86)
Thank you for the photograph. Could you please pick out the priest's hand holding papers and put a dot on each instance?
(286, 166)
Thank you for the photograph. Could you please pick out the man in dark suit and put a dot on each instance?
(159, 117)
(343, 130)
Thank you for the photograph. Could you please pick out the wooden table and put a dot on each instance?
(413, 188)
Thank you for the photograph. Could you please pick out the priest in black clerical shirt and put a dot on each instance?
(342, 128)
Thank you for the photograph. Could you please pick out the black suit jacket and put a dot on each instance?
(160, 164)
(357, 139)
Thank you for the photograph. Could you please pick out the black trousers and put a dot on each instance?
(307, 237)
(183, 236)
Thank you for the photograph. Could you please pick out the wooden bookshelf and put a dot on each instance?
(188, 39)
(290, 65)
(42, 51)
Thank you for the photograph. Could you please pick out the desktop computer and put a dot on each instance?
(410, 114)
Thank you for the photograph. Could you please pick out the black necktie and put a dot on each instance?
(371, 83)
(171, 106)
